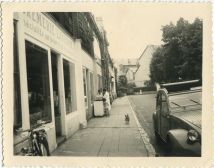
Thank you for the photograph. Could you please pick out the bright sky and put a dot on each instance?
(131, 28)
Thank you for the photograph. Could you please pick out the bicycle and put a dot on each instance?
(37, 138)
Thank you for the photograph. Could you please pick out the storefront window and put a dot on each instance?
(85, 87)
(55, 83)
(38, 83)
(69, 85)
(17, 94)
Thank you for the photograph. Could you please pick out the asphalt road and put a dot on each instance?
(144, 106)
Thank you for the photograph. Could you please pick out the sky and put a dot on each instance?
(131, 28)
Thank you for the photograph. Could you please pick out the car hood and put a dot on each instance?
(193, 116)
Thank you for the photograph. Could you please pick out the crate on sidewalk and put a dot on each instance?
(98, 108)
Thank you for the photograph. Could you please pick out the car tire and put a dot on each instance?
(44, 151)
(169, 148)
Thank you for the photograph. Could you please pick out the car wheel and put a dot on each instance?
(44, 151)
(169, 148)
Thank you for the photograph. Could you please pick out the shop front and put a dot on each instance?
(47, 71)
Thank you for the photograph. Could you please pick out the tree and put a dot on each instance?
(122, 85)
(157, 70)
(122, 81)
(180, 57)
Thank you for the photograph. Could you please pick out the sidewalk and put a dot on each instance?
(109, 136)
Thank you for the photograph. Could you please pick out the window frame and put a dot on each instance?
(85, 87)
(45, 47)
(92, 96)
(72, 82)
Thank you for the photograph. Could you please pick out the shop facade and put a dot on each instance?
(54, 79)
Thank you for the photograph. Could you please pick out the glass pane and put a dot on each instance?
(163, 97)
(158, 102)
(92, 86)
(164, 108)
(84, 85)
(67, 86)
(55, 84)
(38, 83)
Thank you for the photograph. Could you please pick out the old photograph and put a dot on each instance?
(121, 81)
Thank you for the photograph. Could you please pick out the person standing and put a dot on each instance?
(99, 95)
(106, 100)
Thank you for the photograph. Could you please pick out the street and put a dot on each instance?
(144, 106)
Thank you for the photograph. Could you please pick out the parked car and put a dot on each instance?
(177, 120)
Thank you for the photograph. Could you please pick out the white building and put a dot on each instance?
(130, 75)
(127, 67)
(142, 73)
(54, 78)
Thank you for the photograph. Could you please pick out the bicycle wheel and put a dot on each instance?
(43, 149)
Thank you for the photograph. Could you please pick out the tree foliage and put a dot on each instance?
(180, 57)
(122, 81)
(122, 85)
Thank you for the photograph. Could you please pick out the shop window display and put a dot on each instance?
(69, 86)
(38, 83)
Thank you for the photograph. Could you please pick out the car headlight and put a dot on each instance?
(192, 136)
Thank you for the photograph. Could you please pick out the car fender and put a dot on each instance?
(180, 145)
(154, 121)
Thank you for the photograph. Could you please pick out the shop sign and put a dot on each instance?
(45, 30)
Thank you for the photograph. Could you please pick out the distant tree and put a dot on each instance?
(157, 67)
(130, 88)
(131, 85)
(122, 81)
(180, 57)
(148, 83)
(122, 85)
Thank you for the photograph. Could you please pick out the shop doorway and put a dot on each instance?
(88, 96)
(56, 96)
(85, 84)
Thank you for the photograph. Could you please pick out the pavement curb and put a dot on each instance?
(150, 149)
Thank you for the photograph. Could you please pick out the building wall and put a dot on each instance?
(87, 61)
(130, 76)
(42, 31)
(143, 72)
